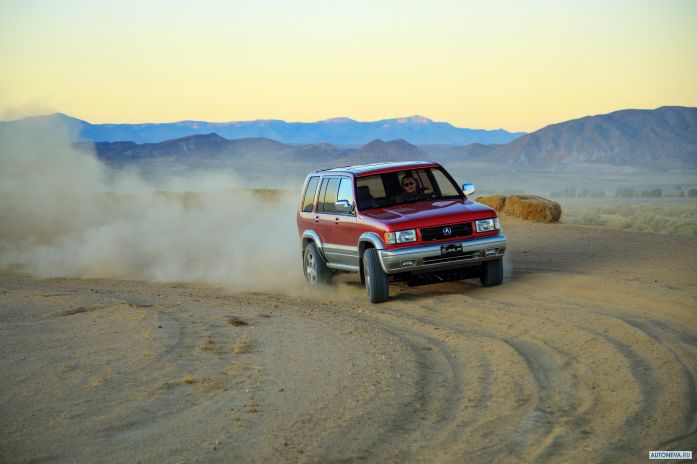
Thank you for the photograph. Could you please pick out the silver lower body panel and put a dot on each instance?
(428, 258)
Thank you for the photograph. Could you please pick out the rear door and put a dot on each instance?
(337, 229)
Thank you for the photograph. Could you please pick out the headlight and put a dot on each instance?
(401, 236)
(487, 225)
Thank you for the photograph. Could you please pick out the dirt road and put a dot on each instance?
(587, 353)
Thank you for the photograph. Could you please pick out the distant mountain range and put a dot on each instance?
(337, 131)
(207, 148)
(664, 138)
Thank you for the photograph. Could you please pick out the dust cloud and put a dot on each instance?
(64, 213)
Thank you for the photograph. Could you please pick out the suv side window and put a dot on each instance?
(345, 193)
(330, 186)
(322, 193)
(309, 197)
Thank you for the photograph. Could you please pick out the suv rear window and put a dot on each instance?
(309, 197)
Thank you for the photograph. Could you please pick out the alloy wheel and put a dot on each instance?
(310, 268)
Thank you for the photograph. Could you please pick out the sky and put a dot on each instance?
(487, 64)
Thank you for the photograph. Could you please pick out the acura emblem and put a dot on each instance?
(447, 231)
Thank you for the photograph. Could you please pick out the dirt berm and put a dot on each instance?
(530, 207)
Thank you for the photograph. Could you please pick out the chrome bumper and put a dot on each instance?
(427, 258)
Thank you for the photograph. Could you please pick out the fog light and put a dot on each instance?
(491, 251)
(408, 263)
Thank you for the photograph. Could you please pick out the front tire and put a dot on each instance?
(376, 282)
(492, 273)
(316, 271)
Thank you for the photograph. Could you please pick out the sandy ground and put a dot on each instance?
(587, 353)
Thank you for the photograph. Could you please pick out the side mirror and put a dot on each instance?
(344, 206)
(468, 189)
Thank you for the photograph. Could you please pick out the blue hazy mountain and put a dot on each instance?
(195, 149)
(663, 138)
(337, 131)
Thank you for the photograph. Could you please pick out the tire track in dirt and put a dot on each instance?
(654, 347)
(443, 425)
(417, 407)
(429, 407)
(578, 399)
(673, 342)
(535, 425)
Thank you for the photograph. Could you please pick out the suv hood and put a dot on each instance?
(429, 213)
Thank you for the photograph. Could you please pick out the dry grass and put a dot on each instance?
(211, 384)
(217, 349)
(238, 368)
(207, 384)
(96, 381)
(138, 316)
(493, 201)
(533, 208)
(243, 346)
(265, 195)
(661, 219)
(236, 321)
(530, 207)
(211, 346)
(268, 194)
(70, 312)
(68, 368)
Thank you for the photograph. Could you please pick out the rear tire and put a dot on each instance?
(492, 273)
(376, 282)
(316, 271)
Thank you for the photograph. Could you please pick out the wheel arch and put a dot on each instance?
(365, 241)
(310, 236)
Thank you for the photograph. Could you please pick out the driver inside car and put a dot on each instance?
(411, 190)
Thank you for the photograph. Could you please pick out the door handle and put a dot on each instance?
(336, 221)
(317, 219)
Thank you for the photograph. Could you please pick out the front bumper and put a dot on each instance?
(428, 258)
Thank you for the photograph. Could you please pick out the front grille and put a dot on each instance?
(430, 234)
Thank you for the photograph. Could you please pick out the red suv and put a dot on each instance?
(405, 221)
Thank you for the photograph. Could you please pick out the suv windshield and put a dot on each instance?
(408, 186)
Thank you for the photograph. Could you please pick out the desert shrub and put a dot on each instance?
(623, 224)
(567, 192)
(571, 192)
(663, 219)
(625, 192)
(685, 228)
(592, 220)
(653, 193)
(243, 346)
